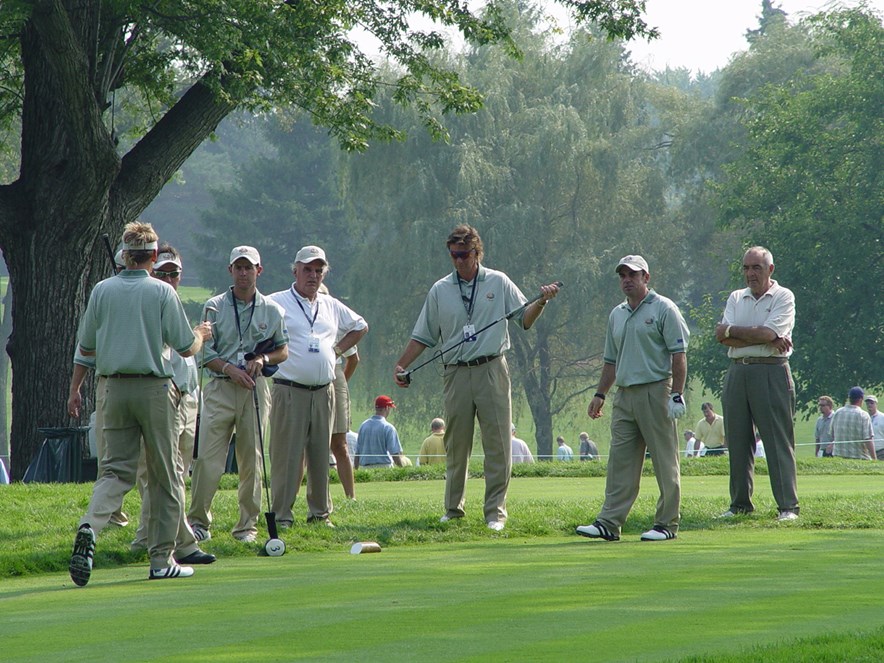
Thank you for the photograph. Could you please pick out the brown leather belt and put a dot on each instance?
(132, 375)
(298, 385)
(475, 362)
(761, 360)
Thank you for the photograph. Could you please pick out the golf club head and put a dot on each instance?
(274, 548)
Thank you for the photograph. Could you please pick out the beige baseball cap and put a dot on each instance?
(250, 253)
(635, 263)
(309, 254)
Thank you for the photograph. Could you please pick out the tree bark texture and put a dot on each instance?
(72, 188)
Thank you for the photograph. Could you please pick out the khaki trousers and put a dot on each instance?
(100, 389)
(185, 427)
(229, 408)
(300, 423)
(136, 408)
(640, 420)
(481, 392)
(763, 394)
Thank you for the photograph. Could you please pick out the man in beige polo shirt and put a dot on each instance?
(242, 318)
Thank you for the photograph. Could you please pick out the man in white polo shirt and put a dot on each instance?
(303, 388)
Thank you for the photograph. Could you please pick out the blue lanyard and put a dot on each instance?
(300, 306)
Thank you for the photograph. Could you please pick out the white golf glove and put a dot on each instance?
(676, 406)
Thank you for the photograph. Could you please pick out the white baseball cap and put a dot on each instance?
(167, 259)
(635, 263)
(309, 254)
(250, 253)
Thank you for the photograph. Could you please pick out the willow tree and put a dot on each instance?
(66, 66)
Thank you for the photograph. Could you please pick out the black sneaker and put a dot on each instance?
(81, 557)
(197, 557)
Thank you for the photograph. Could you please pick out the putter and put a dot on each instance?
(274, 547)
(199, 410)
(406, 376)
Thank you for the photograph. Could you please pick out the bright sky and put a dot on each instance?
(701, 35)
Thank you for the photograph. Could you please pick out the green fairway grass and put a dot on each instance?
(555, 598)
(743, 589)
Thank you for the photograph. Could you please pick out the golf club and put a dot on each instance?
(406, 376)
(274, 547)
(201, 369)
(110, 253)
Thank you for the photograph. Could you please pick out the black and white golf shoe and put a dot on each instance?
(81, 557)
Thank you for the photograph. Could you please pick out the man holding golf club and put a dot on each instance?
(237, 398)
(303, 389)
(128, 323)
(460, 312)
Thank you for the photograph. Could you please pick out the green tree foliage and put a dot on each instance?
(285, 199)
(64, 62)
(810, 186)
(559, 175)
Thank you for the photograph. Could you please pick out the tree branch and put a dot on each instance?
(160, 153)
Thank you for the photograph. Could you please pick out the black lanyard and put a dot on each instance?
(472, 294)
(300, 306)
(236, 315)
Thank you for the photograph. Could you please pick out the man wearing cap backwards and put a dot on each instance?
(476, 376)
(168, 268)
(644, 356)
(303, 388)
(242, 319)
(851, 427)
(757, 330)
(377, 444)
(877, 424)
(128, 322)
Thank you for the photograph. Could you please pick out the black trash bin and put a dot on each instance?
(61, 456)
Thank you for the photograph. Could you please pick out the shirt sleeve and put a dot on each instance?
(781, 318)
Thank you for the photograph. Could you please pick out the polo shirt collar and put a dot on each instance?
(453, 277)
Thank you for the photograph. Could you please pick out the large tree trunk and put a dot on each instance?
(72, 188)
(5, 331)
(534, 362)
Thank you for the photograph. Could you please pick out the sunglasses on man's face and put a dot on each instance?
(460, 254)
(167, 275)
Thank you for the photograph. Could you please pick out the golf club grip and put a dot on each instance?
(110, 253)
(196, 437)
(270, 516)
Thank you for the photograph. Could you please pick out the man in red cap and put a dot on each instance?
(378, 443)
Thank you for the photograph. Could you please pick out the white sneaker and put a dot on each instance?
(597, 531)
(80, 565)
(249, 537)
(173, 571)
(786, 516)
(658, 533)
(200, 533)
(496, 525)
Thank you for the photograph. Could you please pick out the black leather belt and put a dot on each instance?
(475, 362)
(761, 360)
(298, 385)
(132, 375)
